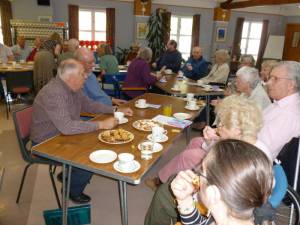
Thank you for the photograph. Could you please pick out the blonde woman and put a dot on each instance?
(266, 68)
(220, 71)
(108, 62)
(235, 180)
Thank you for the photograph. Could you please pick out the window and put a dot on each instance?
(181, 31)
(251, 35)
(92, 25)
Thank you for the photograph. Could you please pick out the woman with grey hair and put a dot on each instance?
(249, 84)
(139, 75)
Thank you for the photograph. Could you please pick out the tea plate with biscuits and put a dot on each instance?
(118, 136)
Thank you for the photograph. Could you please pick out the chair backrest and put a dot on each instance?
(114, 79)
(22, 121)
(18, 79)
(288, 158)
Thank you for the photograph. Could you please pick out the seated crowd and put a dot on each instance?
(233, 161)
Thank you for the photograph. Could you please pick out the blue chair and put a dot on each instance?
(113, 79)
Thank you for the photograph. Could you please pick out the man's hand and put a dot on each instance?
(127, 111)
(117, 101)
(108, 123)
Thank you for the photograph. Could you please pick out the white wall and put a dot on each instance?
(29, 9)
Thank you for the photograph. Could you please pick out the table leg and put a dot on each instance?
(207, 101)
(123, 202)
(65, 193)
(188, 134)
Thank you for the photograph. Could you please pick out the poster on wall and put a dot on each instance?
(221, 34)
(141, 30)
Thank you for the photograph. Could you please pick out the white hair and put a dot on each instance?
(249, 75)
(73, 44)
(68, 68)
(293, 71)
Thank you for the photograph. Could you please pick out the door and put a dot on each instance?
(292, 42)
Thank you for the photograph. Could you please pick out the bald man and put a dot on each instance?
(196, 67)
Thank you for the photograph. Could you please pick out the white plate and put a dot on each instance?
(163, 139)
(157, 147)
(193, 109)
(141, 107)
(136, 167)
(175, 89)
(103, 156)
(124, 120)
(182, 116)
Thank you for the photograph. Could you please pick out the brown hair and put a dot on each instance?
(243, 174)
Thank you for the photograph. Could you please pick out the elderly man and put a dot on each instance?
(91, 86)
(56, 110)
(37, 44)
(5, 54)
(247, 60)
(171, 59)
(21, 50)
(248, 83)
(281, 119)
(196, 67)
(73, 45)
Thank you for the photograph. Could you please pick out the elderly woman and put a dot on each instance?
(108, 62)
(249, 85)
(235, 180)
(44, 65)
(240, 119)
(135, 47)
(266, 68)
(139, 74)
(220, 71)
(247, 60)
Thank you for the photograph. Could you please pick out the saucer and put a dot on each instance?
(103, 156)
(124, 120)
(193, 109)
(157, 147)
(141, 107)
(182, 116)
(163, 139)
(175, 89)
(135, 168)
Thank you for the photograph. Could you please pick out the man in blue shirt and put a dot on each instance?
(171, 59)
(91, 86)
(196, 66)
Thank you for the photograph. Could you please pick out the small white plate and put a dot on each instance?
(182, 116)
(141, 107)
(193, 109)
(124, 120)
(103, 156)
(135, 168)
(175, 89)
(157, 147)
(164, 138)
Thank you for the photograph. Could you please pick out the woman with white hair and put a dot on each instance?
(220, 71)
(249, 84)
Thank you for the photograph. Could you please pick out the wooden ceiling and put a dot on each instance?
(231, 4)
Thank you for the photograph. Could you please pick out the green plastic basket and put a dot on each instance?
(78, 215)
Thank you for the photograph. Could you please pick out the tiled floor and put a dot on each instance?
(38, 195)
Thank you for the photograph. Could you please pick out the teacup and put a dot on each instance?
(146, 154)
(192, 104)
(190, 96)
(180, 74)
(157, 133)
(146, 145)
(176, 87)
(141, 103)
(119, 116)
(126, 161)
(168, 71)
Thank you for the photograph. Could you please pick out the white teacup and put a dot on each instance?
(141, 103)
(126, 161)
(146, 154)
(180, 73)
(176, 87)
(119, 116)
(190, 96)
(192, 104)
(157, 133)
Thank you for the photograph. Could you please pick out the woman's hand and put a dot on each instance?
(210, 135)
(182, 185)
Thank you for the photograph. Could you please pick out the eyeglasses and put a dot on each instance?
(275, 79)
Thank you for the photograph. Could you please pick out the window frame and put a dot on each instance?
(93, 30)
(178, 34)
(247, 38)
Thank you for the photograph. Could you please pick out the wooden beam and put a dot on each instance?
(235, 5)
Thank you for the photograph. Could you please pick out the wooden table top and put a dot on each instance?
(75, 149)
(19, 68)
(184, 87)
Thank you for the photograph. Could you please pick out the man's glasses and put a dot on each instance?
(275, 79)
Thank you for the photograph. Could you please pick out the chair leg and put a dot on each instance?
(51, 172)
(22, 182)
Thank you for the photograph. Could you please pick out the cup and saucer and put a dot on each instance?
(120, 117)
(141, 104)
(192, 105)
(150, 146)
(126, 163)
(175, 88)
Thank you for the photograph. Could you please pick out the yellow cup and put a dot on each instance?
(167, 110)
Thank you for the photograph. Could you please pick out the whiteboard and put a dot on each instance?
(274, 48)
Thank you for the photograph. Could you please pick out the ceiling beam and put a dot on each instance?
(235, 5)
